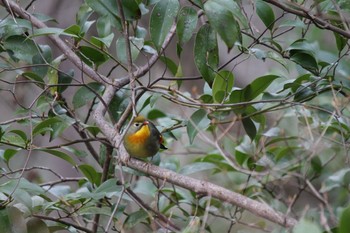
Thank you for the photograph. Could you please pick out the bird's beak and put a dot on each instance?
(145, 122)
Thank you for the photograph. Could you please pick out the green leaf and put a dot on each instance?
(206, 53)
(186, 24)
(18, 222)
(46, 31)
(108, 187)
(249, 127)
(265, 13)
(106, 8)
(196, 167)
(8, 154)
(162, 18)
(20, 133)
(90, 173)
(76, 152)
(36, 78)
(92, 56)
(86, 93)
(64, 79)
(104, 26)
(135, 218)
(297, 23)
(44, 57)
(36, 225)
(170, 64)
(306, 226)
(110, 9)
(52, 74)
(46, 125)
(131, 10)
(21, 48)
(344, 223)
(14, 139)
(5, 220)
(221, 19)
(258, 86)
(305, 60)
(136, 45)
(60, 155)
(73, 30)
(107, 40)
(21, 185)
(198, 121)
(222, 85)
(83, 14)
(155, 114)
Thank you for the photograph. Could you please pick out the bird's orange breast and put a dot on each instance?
(140, 136)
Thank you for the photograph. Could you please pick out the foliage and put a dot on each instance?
(279, 137)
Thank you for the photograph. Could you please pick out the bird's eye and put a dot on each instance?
(137, 124)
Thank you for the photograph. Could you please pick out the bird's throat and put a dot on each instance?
(141, 135)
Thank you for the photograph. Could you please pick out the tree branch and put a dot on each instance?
(57, 41)
(297, 10)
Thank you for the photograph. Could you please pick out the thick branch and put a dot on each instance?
(57, 41)
(210, 189)
(317, 21)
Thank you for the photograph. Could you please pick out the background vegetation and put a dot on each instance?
(251, 96)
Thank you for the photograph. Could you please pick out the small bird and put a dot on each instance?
(143, 138)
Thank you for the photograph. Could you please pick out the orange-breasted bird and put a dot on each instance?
(143, 138)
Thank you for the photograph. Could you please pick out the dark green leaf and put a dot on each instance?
(20, 133)
(249, 127)
(92, 56)
(90, 173)
(222, 20)
(265, 13)
(73, 30)
(131, 10)
(344, 223)
(162, 18)
(305, 60)
(186, 24)
(8, 154)
(118, 104)
(170, 64)
(45, 126)
(86, 93)
(258, 86)
(5, 220)
(155, 114)
(64, 79)
(206, 53)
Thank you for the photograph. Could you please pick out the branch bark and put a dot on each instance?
(297, 10)
(198, 186)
